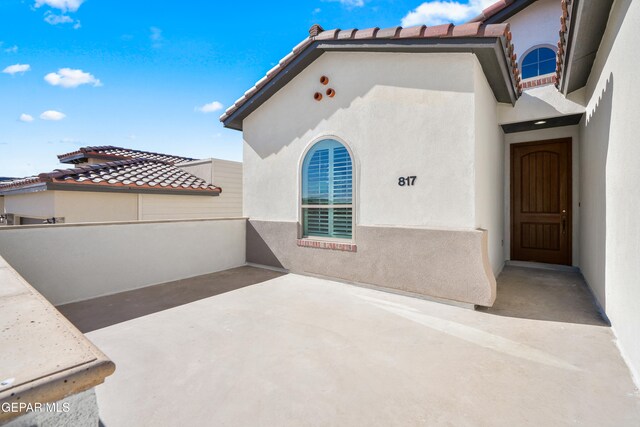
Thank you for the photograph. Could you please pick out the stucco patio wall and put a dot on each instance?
(68, 263)
(446, 264)
(609, 230)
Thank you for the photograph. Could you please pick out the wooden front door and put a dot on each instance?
(541, 201)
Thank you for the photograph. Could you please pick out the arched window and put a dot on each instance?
(327, 191)
(538, 62)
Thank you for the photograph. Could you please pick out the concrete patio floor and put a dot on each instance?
(301, 351)
(108, 310)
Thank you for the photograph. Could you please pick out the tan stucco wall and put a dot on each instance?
(223, 173)
(445, 264)
(166, 206)
(228, 176)
(35, 205)
(398, 118)
(84, 206)
(610, 175)
(389, 108)
(542, 102)
(489, 170)
(201, 168)
(69, 263)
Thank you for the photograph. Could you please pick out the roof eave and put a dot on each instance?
(44, 186)
(304, 58)
(586, 21)
(71, 159)
(31, 188)
(130, 189)
(502, 15)
(489, 50)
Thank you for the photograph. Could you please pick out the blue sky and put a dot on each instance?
(138, 73)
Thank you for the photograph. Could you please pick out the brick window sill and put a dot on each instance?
(320, 244)
(539, 81)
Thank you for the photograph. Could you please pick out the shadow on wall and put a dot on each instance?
(619, 10)
(258, 251)
(542, 107)
(383, 83)
(593, 192)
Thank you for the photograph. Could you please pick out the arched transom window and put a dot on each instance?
(327, 191)
(538, 62)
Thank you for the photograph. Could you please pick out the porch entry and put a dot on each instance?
(541, 201)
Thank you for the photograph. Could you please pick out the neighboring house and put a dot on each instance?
(3, 219)
(118, 184)
(420, 159)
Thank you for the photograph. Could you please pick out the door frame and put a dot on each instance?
(570, 206)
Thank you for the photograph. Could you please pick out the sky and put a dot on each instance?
(156, 75)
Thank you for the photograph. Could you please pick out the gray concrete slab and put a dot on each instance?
(301, 351)
(543, 294)
(101, 312)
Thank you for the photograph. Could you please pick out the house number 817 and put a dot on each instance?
(406, 180)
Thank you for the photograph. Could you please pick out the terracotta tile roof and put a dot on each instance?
(492, 10)
(130, 174)
(562, 43)
(109, 152)
(471, 30)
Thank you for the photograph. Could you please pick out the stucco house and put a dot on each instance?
(2, 216)
(422, 159)
(110, 183)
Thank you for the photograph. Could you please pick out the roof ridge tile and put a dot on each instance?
(388, 33)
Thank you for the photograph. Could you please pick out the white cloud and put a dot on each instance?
(17, 68)
(52, 115)
(25, 118)
(67, 77)
(442, 12)
(63, 5)
(69, 141)
(352, 3)
(156, 37)
(12, 49)
(349, 3)
(210, 107)
(53, 19)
